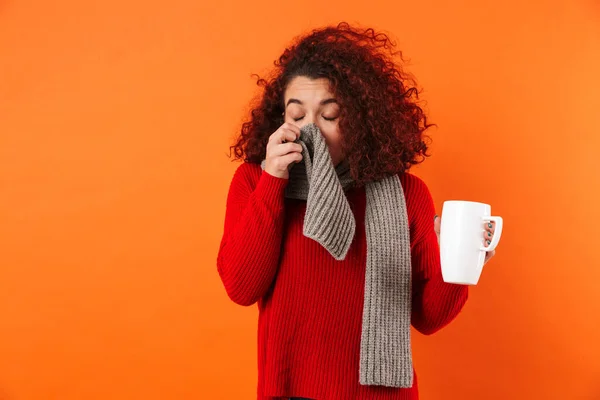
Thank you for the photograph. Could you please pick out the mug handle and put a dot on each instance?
(497, 232)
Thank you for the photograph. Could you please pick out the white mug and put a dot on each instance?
(462, 240)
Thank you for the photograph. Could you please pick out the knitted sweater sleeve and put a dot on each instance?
(435, 303)
(250, 247)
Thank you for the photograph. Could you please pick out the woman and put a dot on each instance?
(326, 229)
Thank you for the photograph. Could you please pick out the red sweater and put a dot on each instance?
(310, 305)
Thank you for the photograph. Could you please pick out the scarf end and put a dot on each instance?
(396, 379)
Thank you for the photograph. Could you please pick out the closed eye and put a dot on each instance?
(324, 117)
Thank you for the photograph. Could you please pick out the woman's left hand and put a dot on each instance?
(488, 234)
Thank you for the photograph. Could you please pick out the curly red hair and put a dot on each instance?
(381, 123)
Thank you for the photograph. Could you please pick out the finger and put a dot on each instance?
(282, 135)
(288, 135)
(291, 127)
(488, 235)
(489, 255)
(437, 225)
(284, 149)
(275, 149)
(291, 158)
(487, 241)
(490, 226)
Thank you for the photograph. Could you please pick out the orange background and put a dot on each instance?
(115, 119)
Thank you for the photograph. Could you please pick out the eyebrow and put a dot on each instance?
(323, 102)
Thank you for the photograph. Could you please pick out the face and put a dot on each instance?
(311, 101)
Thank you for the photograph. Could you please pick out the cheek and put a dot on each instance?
(333, 137)
(336, 136)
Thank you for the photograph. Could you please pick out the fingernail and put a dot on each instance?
(434, 218)
(488, 242)
(490, 234)
(490, 225)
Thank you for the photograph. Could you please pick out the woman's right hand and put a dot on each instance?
(282, 151)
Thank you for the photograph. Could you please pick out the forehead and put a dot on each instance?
(303, 88)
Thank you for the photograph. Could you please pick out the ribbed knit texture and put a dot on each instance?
(328, 218)
(385, 350)
(310, 304)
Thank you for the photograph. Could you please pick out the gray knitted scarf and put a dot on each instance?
(385, 348)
